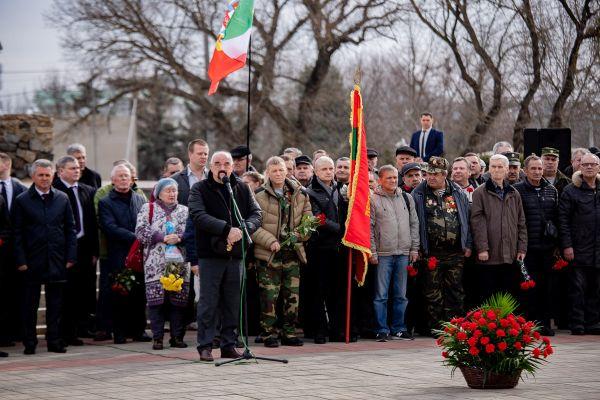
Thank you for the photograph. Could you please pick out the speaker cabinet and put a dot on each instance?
(559, 138)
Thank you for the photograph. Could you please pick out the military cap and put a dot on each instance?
(409, 167)
(303, 159)
(372, 153)
(437, 164)
(514, 158)
(550, 151)
(240, 151)
(406, 150)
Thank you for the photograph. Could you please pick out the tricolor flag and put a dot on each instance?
(358, 222)
(232, 42)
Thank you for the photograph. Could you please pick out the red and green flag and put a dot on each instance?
(358, 221)
(232, 42)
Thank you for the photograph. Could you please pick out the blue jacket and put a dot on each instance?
(118, 218)
(462, 204)
(434, 145)
(44, 235)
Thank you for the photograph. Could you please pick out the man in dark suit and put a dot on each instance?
(88, 176)
(11, 285)
(194, 172)
(5, 236)
(80, 291)
(45, 247)
(428, 141)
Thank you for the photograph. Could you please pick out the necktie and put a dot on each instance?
(44, 197)
(4, 194)
(75, 207)
(422, 148)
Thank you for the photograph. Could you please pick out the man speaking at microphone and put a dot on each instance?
(220, 252)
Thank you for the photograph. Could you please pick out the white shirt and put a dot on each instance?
(8, 186)
(424, 141)
(76, 192)
(192, 178)
(40, 192)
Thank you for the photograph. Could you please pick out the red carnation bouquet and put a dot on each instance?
(432, 263)
(527, 283)
(493, 339)
(412, 270)
(560, 263)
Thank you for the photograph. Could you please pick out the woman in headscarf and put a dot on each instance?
(160, 227)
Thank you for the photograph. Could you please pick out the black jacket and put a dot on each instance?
(90, 178)
(183, 185)
(330, 234)
(6, 235)
(118, 217)
(212, 213)
(540, 205)
(44, 234)
(18, 188)
(89, 242)
(579, 220)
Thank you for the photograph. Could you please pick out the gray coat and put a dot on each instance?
(394, 226)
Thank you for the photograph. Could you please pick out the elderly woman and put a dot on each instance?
(160, 228)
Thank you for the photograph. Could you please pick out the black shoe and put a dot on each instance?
(320, 339)
(381, 337)
(239, 344)
(3, 354)
(74, 342)
(84, 333)
(29, 350)
(292, 341)
(545, 331)
(259, 339)
(177, 343)
(102, 336)
(158, 344)
(120, 340)
(216, 344)
(401, 336)
(577, 332)
(271, 341)
(57, 348)
(142, 338)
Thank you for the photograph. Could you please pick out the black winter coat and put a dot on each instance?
(540, 205)
(212, 213)
(5, 235)
(90, 178)
(579, 220)
(44, 235)
(118, 217)
(330, 234)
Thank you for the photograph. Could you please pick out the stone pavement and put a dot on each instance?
(363, 370)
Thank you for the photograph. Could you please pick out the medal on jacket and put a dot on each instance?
(229, 247)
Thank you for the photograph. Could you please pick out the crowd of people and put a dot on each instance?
(444, 237)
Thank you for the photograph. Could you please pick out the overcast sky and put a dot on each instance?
(31, 47)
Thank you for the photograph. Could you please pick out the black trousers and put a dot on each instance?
(536, 302)
(219, 296)
(12, 289)
(166, 311)
(584, 295)
(31, 304)
(498, 278)
(129, 312)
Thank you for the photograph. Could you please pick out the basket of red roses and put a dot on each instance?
(492, 346)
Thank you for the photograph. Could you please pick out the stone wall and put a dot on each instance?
(26, 138)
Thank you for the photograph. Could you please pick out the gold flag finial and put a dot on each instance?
(357, 75)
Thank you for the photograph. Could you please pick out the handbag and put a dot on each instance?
(135, 258)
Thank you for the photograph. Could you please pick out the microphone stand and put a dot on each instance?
(247, 354)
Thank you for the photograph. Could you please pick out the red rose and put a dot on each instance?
(461, 336)
(500, 333)
(484, 340)
(520, 320)
(518, 346)
(536, 335)
(525, 285)
(472, 341)
(466, 326)
(531, 284)
(473, 351)
(548, 350)
(513, 332)
(470, 189)
(536, 352)
(490, 348)
(432, 263)
(477, 315)
(412, 271)
(491, 315)
(477, 333)
(560, 264)
(482, 321)
(546, 341)
(491, 326)
(504, 322)
(322, 218)
(502, 346)
(445, 354)
(526, 339)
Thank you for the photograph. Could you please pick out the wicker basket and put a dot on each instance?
(477, 379)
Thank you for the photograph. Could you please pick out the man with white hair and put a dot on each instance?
(88, 176)
(45, 247)
(117, 215)
(220, 247)
(499, 231)
(576, 155)
(502, 147)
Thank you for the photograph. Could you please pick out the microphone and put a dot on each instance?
(227, 183)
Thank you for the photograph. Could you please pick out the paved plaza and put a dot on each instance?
(363, 370)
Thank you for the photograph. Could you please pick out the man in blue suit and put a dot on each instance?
(427, 142)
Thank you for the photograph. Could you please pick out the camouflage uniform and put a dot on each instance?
(443, 286)
(280, 277)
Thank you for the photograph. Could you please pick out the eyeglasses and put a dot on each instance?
(589, 165)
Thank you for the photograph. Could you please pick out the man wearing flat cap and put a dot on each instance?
(372, 155)
(550, 160)
(304, 170)
(443, 211)
(515, 173)
(411, 177)
(404, 155)
(242, 158)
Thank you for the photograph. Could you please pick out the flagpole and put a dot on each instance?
(248, 111)
(349, 296)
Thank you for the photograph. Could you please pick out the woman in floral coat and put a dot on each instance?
(160, 227)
